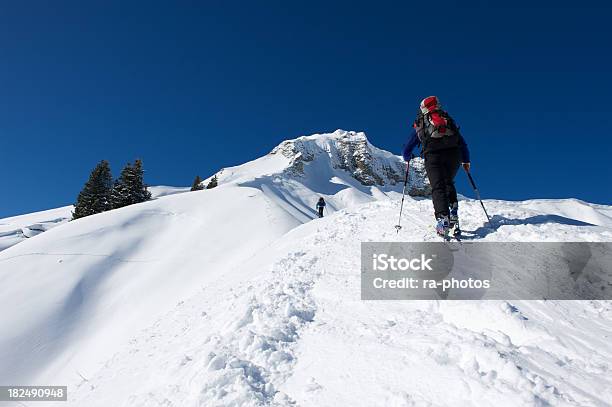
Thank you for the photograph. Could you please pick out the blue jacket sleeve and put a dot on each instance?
(465, 152)
(413, 142)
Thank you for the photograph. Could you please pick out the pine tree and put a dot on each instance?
(120, 195)
(138, 186)
(212, 183)
(95, 197)
(130, 188)
(197, 184)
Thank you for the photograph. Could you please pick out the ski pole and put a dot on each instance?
(398, 226)
(478, 195)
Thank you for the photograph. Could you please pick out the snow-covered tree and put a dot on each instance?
(212, 183)
(130, 188)
(197, 184)
(95, 197)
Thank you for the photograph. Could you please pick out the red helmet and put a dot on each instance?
(430, 104)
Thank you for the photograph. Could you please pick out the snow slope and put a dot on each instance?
(98, 278)
(288, 327)
(16, 229)
(343, 167)
(235, 296)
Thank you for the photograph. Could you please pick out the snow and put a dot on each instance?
(163, 190)
(18, 228)
(237, 296)
(113, 272)
(297, 172)
(15, 229)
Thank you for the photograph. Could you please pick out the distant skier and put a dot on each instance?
(321, 206)
(444, 150)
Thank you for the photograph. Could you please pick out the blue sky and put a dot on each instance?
(191, 87)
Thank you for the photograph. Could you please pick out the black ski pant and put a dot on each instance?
(442, 167)
(320, 211)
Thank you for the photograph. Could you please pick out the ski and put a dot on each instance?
(448, 237)
(457, 233)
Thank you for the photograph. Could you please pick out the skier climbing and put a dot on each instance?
(444, 150)
(321, 206)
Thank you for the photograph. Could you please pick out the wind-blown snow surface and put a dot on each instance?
(15, 229)
(233, 296)
(18, 228)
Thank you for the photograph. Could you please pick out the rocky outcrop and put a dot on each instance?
(352, 152)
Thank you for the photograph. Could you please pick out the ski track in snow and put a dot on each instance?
(297, 333)
(442, 353)
(240, 363)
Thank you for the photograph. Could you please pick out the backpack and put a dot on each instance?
(435, 128)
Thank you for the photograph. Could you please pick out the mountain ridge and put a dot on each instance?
(230, 290)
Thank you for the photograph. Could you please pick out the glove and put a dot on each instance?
(466, 167)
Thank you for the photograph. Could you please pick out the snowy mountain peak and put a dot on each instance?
(324, 138)
(307, 147)
(343, 150)
(343, 167)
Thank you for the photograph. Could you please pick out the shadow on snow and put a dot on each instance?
(498, 221)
